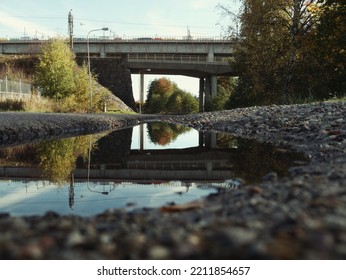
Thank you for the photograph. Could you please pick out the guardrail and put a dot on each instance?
(125, 38)
(176, 58)
(10, 89)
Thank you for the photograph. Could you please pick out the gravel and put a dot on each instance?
(300, 216)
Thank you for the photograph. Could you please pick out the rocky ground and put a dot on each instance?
(301, 216)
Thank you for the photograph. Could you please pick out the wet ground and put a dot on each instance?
(298, 216)
(142, 167)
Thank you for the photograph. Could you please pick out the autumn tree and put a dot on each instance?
(165, 133)
(159, 92)
(271, 54)
(329, 49)
(164, 96)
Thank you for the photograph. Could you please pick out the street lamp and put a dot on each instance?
(90, 85)
(141, 88)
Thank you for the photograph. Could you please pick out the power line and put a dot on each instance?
(55, 17)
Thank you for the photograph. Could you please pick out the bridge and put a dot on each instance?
(205, 59)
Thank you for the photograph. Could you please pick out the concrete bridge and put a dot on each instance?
(205, 59)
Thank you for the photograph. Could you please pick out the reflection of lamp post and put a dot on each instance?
(141, 88)
(101, 192)
(88, 172)
(90, 86)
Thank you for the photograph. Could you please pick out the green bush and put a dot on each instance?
(182, 102)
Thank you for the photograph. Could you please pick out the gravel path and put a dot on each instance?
(301, 216)
(19, 128)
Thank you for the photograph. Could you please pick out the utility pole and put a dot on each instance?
(70, 27)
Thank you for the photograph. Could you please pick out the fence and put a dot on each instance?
(14, 89)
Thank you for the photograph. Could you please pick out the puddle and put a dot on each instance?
(146, 166)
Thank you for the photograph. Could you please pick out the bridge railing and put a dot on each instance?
(10, 89)
(176, 58)
(154, 39)
(124, 38)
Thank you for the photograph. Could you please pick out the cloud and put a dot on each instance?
(14, 25)
(158, 23)
(199, 4)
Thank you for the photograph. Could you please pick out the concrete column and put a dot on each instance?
(207, 89)
(201, 94)
(212, 140)
(209, 168)
(213, 85)
(103, 51)
(201, 139)
(141, 137)
(141, 92)
(211, 54)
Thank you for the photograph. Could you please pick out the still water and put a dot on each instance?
(146, 166)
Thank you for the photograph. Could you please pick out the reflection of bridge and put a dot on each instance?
(188, 164)
(205, 59)
(197, 163)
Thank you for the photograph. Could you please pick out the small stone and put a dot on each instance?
(75, 238)
(255, 190)
(272, 176)
(158, 253)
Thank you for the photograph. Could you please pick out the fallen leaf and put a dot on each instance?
(183, 207)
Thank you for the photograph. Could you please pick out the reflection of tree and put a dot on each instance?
(253, 160)
(58, 157)
(165, 133)
(21, 155)
(226, 140)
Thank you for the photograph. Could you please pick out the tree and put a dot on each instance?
(61, 79)
(329, 49)
(273, 50)
(182, 102)
(158, 94)
(57, 158)
(165, 133)
(226, 87)
(55, 70)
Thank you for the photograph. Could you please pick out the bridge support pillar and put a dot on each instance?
(201, 94)
(141, 92)
(207, 89)
(210, 140)
(207, 92)
(103, 51)
(213, 85)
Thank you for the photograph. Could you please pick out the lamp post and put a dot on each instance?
(90, 85)
(141, 88)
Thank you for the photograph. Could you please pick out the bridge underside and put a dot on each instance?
(207, 73)
(196, 70)
(114, 74)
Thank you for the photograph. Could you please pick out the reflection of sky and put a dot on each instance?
(38, 197)
(185, 140)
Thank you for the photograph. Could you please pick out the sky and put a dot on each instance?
(124, 18)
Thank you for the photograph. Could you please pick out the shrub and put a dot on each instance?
(12, 105)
